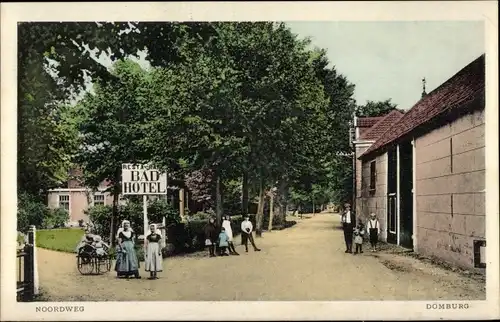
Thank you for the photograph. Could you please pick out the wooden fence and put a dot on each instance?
(26, 269)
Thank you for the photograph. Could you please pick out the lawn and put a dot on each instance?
(64, 240)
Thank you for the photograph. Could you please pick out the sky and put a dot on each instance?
(389, 59)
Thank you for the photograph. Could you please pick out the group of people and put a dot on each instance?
(127, 262)
(221, 238)
(356, 232)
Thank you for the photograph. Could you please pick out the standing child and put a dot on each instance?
(223, 242)
(210, 236)
(359, 232)
(373, 231)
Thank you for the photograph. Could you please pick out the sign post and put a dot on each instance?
(143, 179)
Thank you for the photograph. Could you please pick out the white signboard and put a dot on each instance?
(142, 179)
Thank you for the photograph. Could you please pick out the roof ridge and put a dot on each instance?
(462, 87)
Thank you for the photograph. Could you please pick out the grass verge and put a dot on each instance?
(63, 240)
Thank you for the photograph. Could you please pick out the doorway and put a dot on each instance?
(392, 229)
(406, 194)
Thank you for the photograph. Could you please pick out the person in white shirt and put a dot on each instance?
(246, 234)
(348, 224)
(373, 229)
(226, 224)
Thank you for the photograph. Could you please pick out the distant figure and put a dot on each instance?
(246, 234)
(223, 241)
(210, 236)
(373, 229)
(359, 232)
(153, 258)
(348, 223)
(127, 263)
(226, 224)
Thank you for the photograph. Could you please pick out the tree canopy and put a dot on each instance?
(224, 106)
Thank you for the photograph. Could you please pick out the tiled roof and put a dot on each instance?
(463, 87)
(376, 131)
(368, 121)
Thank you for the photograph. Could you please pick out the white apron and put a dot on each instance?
(229, 232)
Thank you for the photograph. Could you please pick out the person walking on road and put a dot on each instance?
(127, 263)
(373, 227)
(246, 234)
(226, 224)
(210, 236)
(348, 223)
(153, 258)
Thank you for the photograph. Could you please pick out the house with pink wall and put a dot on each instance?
(76, 198)
(425, 176)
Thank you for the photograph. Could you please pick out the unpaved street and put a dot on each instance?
(305, 262)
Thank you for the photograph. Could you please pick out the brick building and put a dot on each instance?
(425, 175)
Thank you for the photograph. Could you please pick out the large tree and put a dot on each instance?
(372, 108)
(114, 127)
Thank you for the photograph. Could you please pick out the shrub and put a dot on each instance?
(101, 216)
(199, 216)
(55, 218)
(30, 211)
(81, 223)
(161, 208)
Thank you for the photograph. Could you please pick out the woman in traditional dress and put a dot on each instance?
(127, 263)
(226, 224)
(153, 252)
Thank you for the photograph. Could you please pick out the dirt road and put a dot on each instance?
(305, 262)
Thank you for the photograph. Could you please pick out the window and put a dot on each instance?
(64, 202)
(373, 176)
(99, 199)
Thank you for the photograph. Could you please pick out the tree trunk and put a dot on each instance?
(282, 202)
(244, 199)
(314, 207)
(114, 214)
(271, 212)
(260, 210)
(219, 209)
(181, 203)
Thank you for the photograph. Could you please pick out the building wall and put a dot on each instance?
(376, 202)
(79, 201)
(360, 149)
(450, 183)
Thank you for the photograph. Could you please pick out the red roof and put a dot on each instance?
(376, 131)
(368, 121)
(463, 87)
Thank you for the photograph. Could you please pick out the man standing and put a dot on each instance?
(348, 223)
(246, 234)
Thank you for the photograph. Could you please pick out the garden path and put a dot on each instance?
(304, 262)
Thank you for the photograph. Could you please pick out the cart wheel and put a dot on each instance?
(85, 265)
(103, 264)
